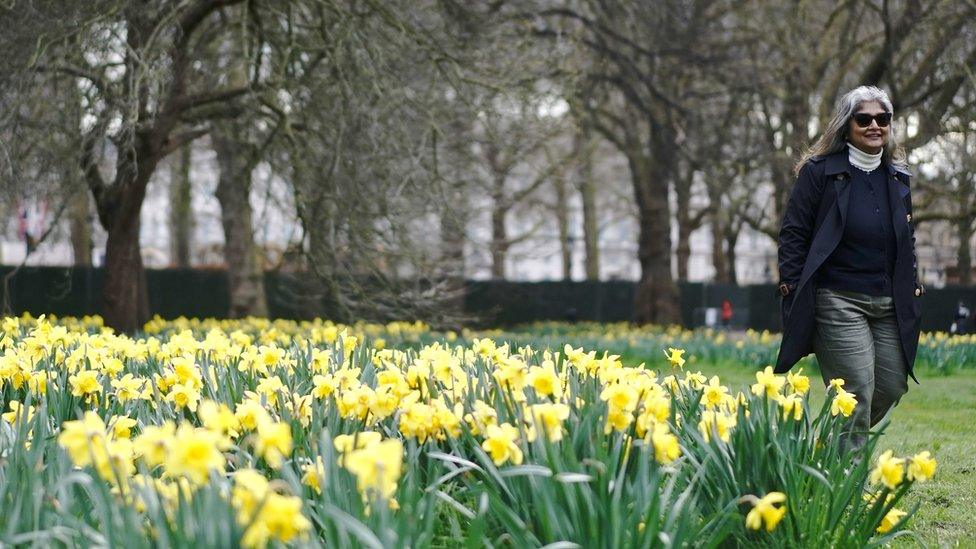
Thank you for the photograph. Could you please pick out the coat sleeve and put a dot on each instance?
(799, 219)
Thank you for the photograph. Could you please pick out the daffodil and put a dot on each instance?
(888, 470)
(79, 437)
(791, 405)
(313, 474)
(376, 468)
(193, 454)
(129, 387)
(768, 383)
(274, 442)
(843, 403)
(674, 357)
(18, 412)
(666, 446)
(549, 418)
(84, 383)
(765, 512)
(714, 393)
(500, 443)
(719, 422)
(921, 467)
(798, 382)
(362, 439)
(154, 443)
(889, 521)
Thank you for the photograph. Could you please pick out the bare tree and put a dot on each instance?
(513, 144)
(645, 62)
(584, 148)
(137, 70)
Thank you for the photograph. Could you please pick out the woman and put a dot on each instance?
(847, 261)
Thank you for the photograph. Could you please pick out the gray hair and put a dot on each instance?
(834, 138)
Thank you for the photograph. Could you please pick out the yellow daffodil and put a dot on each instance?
(798, 382)
(666, 446)
(921, 467)
(193, 454)
(843, 403)
(674, 357)
(714, 393)
(500, 443)
(889, 521)
(768, 383)
(376, 468)
(888, 470)
(791, 405)
(765, 512)
(274, 442)
(719, 422)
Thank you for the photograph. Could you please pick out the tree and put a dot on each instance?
(949, 195)
(141, 84)
(584, 148)
(514, 145)
(644, 63)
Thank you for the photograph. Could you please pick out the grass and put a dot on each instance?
(938, 415)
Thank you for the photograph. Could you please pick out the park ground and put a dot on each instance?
(939, 415)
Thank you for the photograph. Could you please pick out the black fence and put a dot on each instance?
(204, 293)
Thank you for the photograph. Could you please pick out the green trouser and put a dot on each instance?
(857, 341)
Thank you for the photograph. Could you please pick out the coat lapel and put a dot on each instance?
(897, 191)
(839, 169)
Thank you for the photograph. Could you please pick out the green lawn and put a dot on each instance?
(939, 415)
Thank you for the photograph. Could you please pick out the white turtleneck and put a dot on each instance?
(865, 161)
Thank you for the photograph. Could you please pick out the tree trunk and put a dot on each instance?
(81, 232)
(244, 266)
(656, 300)
(315, 210)
(683, 202)
(718, 248)
(451, 264)
(731, 239)
(125, 300)
(181, 212)
(591, 231)
(499, 234)
(562, 223)
(964, 258)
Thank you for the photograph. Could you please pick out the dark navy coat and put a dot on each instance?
(812, 227)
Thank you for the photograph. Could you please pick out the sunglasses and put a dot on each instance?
(864, 119)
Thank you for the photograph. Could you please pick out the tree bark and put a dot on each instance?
(499, 234)
(181, 213)
(731, 239)
(656, 299)
(81, 232)
(683, 218)
(562, 224)
(718, 249)
(451, 265)
(964, 258)
(125, 298)
(591, 231)
(244, 266)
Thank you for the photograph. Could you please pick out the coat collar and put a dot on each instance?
(838, 162)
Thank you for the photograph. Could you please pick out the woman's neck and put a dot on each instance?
(863, 160)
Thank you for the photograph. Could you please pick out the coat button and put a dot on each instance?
(918, 292)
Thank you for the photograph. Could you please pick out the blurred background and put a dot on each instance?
(485, 162)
